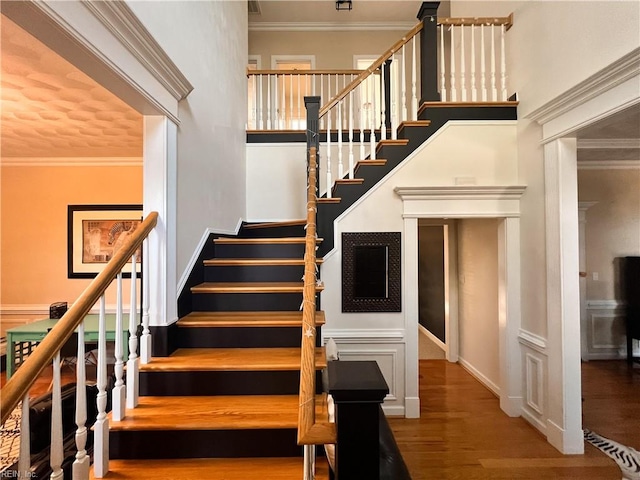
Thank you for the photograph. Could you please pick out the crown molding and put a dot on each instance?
(120, 20)
(328, 26)
(609, 165)
(476, 192)
(71, 161)
(609, 143)
(616, 73)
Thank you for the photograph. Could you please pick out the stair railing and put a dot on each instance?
(48, 351)
(276, 97)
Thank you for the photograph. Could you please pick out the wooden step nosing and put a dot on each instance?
(261, 241)
(229, 262)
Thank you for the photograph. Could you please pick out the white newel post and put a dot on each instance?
(118, 392)
(351, 166)
(82, 462)
(414, 88)
(503, 67)
(403, 86)
(372, 125)
(145, 279)
(340, 164)
(101, 427)
(443, 83)
(361, 95)
(383, 107)
(133, 364)
(57, 446)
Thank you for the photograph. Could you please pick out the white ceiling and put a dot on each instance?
(52, 109)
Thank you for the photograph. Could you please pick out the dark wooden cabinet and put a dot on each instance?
(631, 296)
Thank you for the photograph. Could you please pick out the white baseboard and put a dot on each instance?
(534, 420)
(393, 410)
(479, 376)
(412, 407)
(566, 442)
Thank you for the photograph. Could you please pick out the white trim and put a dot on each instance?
(196, 253)
(533, 341)
(275, 59)
(71, 161)
(604, 304)
(258, 60)
(328, 26)
(455, 192)
(411, 407)
(607, 78)
(535, 365)
(391, 335)
(120, 20)
(393, 410)
(534, 420)
(609, 165)
(608, 143)
(479, 376)
(366, 354)
(432, 338)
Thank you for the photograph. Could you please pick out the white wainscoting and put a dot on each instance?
(534, 366)
(606, 334)
(387, 348)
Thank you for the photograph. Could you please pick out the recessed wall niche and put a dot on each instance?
(371, 272)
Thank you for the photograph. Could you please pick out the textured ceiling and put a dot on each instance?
(51, 109)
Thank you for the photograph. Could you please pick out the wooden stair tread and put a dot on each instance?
(348, 181)
(284, 468)
(329, 200)
(230, 262)
(251, 287)
(261, 241)
(232, 359)
(414, 123)
(246, 319)
(288, 223)
(219, 412)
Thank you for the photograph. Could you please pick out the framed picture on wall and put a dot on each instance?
(94, 235)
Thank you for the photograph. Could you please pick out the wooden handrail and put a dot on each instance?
(303, 72)
(506, 21)
(310, 432)
(20, 383)
(372, 68)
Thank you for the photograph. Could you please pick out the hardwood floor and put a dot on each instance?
(463, 434)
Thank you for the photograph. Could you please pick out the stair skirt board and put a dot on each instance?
(237, 337)
(165, 444)
(207, 383)
(247, 301)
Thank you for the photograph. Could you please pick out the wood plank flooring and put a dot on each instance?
(463, 434)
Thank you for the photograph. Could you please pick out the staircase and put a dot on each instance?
(224, 404)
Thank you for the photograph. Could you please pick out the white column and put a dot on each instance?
(564, 424)
(410, 309)
(451, 325)
(582, 263)
(509, 316)
(159, 194)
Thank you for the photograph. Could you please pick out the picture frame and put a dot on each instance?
(94, 233)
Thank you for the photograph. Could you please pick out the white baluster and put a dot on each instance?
(57, 450)
(403, 86)
(383, 107)
(309, 460)
(503, 67)
(82, 462)
(361, 96)
(133, 364)
(340, 165)
(253, 124)
(351, 134)
(24, 461)
(483, 70)
(463, 71)
(291, 102)
(452, 83)
(372, 125)
(494, 90)
(474, 90)
(118, 392)
(313, 85)
(299, 116)
(269, 80)
(394, 95)
(101, 427)
(283, 111)
(321, 99)
(276, 106)
(336, 110)
(414, 90)
(443, 85)
(261, 104)
(344, 109)
(329, 179)
(145, 338)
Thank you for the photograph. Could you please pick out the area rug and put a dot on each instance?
(627, 458)
(10, 439)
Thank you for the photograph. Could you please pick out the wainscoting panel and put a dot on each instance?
(390, 359)
(534, 365)
(605, 322)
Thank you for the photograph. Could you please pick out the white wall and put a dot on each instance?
(208, 43)
(478, 299)
(483, 150)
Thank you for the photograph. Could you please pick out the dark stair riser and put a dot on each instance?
(273, 232)
(166, 444)
(255, 302)
(242, 337)
(253, 273)
(266, 250)
(286, 382)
